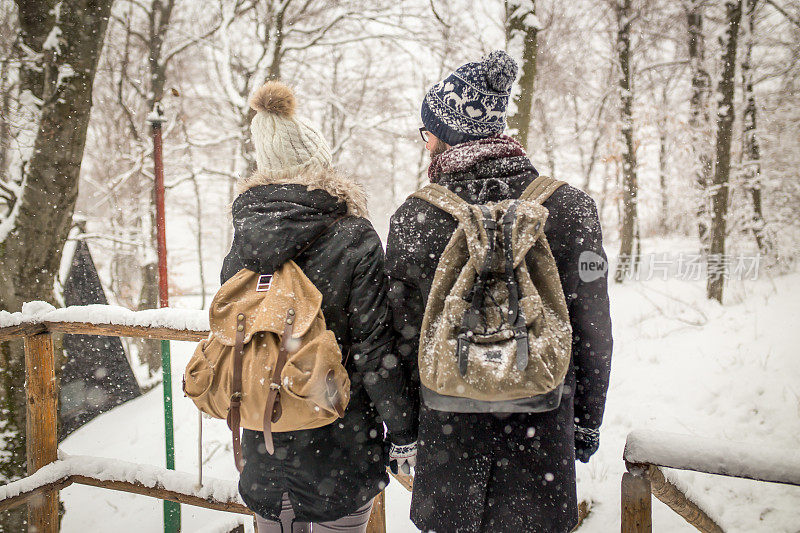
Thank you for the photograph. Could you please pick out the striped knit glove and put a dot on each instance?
(403, 458)
(586, 443)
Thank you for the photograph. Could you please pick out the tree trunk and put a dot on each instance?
(149, 349)
(59, 85)
(629, 181)
(549, 139)
(198, 213)
(12, 426)
(158, 19)
(5, 133)
(722, 167)
(158, 23)
(750, 148)
(599, 130)
(522, 29)
(699, 118)
(228, 228)
(662, 180)
(576, 137)
(252, 80)
(663, 161)
(598, 137)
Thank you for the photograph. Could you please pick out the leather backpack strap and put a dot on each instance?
(234, 415)
(273, 411)
(446, 200)
(541, 189)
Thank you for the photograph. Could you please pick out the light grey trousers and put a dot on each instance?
(352, 523)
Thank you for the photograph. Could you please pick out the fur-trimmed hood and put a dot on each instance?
(275, 218)
(327, 179)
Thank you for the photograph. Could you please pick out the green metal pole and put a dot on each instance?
(172, 510)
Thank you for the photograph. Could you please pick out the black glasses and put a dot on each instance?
(423, 133)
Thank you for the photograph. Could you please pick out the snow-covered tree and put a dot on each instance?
(60, 44)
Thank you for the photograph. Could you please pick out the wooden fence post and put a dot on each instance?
(42, 421)
(377, 520)
(636, 504)
(664, 490)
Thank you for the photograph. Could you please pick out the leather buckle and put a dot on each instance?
(462, 354)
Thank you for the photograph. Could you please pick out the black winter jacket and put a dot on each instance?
(484, 472)
(331, 471)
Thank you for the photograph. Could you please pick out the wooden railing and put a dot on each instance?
(647, 452)
(47, 474)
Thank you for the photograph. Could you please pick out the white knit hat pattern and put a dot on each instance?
(285, 144)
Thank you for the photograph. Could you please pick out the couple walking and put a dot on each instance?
(480, 466)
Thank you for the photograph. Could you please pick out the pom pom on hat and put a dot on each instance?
(285, 144)
(501, 71)
(275, 98)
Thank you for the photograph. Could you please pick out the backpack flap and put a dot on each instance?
(264, 310)
(472, 317)
(528, 221)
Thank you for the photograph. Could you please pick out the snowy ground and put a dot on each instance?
(681, 364)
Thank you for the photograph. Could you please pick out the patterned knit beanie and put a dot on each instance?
(471, 102)
(285, 145)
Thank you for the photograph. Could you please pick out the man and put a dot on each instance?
(498, 472)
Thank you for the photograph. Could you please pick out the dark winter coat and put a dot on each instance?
(331, 471)
(484, 472)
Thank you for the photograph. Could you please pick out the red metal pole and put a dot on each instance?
(172, 510)
(163, 286)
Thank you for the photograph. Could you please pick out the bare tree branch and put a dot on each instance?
(783, 12)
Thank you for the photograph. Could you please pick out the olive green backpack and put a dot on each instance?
(496, 335)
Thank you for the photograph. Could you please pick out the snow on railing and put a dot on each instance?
(165, 323)
(713, 456)
(647, 451)
(129, 477)
(51, 472)
(41, 312)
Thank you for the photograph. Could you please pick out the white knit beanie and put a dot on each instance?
(285, 144)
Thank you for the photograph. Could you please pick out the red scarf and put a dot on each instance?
(466, 155)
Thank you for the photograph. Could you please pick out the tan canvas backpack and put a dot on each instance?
(496, 335)
(269, 364)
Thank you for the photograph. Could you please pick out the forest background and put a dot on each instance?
(680, 118)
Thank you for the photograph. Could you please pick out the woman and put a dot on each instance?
(296, 207)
